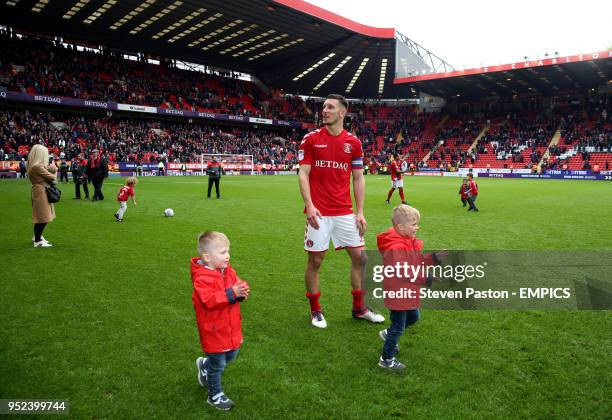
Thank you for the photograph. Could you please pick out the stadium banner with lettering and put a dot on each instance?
(132, 166)
(567, 175)
(57, 100)
(137, 108)
(260, 120)
(82, 103)
(9, 165)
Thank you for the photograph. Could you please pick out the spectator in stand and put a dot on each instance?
(41, 172)
(97, 170)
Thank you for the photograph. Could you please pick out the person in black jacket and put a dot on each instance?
(214, 172)
(63, 171)
(79, 177)
(97, 170)
(22, 168)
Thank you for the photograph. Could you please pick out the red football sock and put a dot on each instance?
(390, 194)
(358, 304)
(401, 193)
(314, 301)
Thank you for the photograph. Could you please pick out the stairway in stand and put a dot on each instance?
(553, 142)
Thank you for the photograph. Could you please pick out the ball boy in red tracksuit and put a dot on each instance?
(217, 293)
(473, 192)
(399, 245)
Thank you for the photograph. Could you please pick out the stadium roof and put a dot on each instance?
(288, 44)
(545, 77)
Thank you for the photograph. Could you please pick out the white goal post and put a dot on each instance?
(229, 162)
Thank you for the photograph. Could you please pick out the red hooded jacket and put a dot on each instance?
(217, 310)
(473, 188)
(396, 248)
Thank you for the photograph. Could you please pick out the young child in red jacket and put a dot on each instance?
(464, 191)
(398, 244)
(217, 293)
(472, 192)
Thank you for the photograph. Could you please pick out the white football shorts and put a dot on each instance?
(342, 230)
(398, 183)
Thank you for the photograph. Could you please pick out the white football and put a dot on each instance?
(168, 212)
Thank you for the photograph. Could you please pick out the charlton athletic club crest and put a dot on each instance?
(347, 148)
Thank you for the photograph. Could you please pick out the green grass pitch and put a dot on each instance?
(105, 320)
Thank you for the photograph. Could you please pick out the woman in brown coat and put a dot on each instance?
(40, 174)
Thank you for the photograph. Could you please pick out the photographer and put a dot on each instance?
(63, 171)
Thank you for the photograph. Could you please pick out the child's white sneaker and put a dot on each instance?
(42, 244)
(220, 402)
(202, 373)
(317, 319)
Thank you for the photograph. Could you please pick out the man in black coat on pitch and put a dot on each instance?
(214, 172)
(97, 170)
(78, 167)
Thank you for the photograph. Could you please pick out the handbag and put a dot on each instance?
(53, 194)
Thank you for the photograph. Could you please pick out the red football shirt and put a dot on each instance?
(331, 160)
(124, 193)
(396, 172)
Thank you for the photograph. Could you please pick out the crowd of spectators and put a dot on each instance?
(50, 67)
(137, 140)
(583, 135)
(509, 138)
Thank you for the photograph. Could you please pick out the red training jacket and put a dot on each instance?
(473, 188)
(217, 310)
(397, 248)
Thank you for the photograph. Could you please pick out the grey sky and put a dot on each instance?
(472, 33)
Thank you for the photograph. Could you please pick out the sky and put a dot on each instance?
(475, 33)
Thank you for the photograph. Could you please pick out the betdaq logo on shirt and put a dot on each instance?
(331, 164)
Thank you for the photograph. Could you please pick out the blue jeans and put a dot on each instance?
(400, 320)
(215, 365)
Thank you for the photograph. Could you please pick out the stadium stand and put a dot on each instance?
(137, 140)
(514, 136)
(45, 67)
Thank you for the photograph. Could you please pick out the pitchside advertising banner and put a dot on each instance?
(57, 100)
(575, 175)
(519, 173)
(508, 280)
